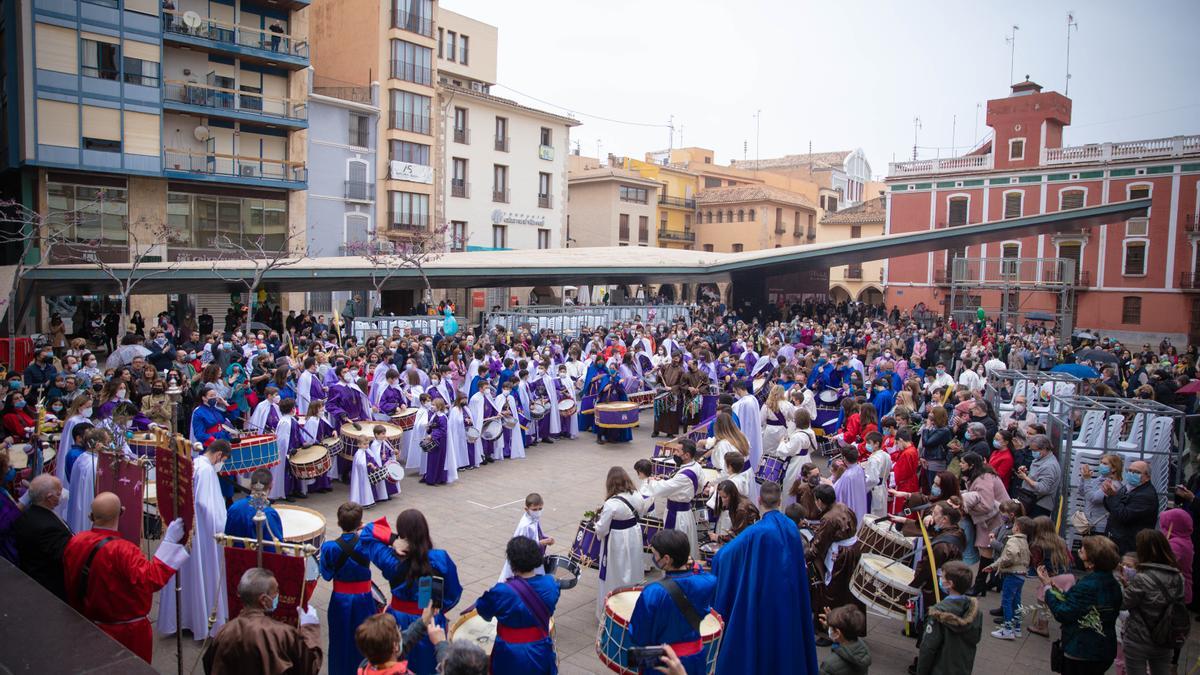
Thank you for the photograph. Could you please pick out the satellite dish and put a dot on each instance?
(201, 133)
(191, 19)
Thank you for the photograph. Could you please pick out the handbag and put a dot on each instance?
(1080, 522)
(1057, 657)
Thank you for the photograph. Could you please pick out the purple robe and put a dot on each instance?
(435, 464)
(345, 404)
(390, 400)
(291, 484)
(140, 422)
(851, 490)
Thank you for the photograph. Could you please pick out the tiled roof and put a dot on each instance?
(491, 98)
(833, 160)
(751, 193)
(869, 212)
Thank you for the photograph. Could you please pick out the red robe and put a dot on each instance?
(120, 590)
(906, 471)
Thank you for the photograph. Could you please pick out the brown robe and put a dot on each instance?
(745, 515)
(668, 411)
(695, 383)
(256, 644)
(838, 523)
(808, 503)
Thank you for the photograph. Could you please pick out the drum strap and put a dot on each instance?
(84, 573)
(626, 503)
(532, 601)
(349, 552)
(682, 603)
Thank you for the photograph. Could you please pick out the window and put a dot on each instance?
(643, 229)
(1139, 191)
(708, 248)
(856, 231)
(544, 190)
(412, 63)
(737, 248)
(543, 238)
(500, 183)
(100, 59)
(752, 215)
(1137, 227)
(1012, 204)
(357, 186)
(360, 130)
(1070, 199)
(138, 71)
(687, 221)
(97, 214)
(854, 271)
(461, 134)
(662, 220)
(404, 151)
(458, 235)
(778, 218)
(957, 211)
(636, 195)
(1071, 251)
(410, 111)
(462, 49)
(832, 204)
(1131, 309)
(741, 215)
(710, 182)
(499, 233)
(1010, 253)
(1016, 148)
(441, 40)
(203, 221)
(1135, 259)
(623, 227)
(547, 136)
(708, 215)
(458, 179)
(357, 227)
(414, 16)
(502, 134)
(451, 45)
(720, 216)
(101, 144)
(409, 210)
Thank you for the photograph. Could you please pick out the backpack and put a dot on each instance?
(1173, 624)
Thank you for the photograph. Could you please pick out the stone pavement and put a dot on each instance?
(473, 518)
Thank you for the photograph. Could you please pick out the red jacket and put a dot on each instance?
(850, 429)
(15, 423)
(907, 469)
(1002, 461)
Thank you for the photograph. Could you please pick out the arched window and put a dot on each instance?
(752, 215)
(708, 216)
(741, 215)
(729, 215)
(720, 216)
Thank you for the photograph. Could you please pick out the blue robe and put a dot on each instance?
(346, 610)
(72, 455)
(765, 561)
(609, 390)
(395, 569)
(884, 401)
(502, 603)
(589, 389)
(474, 386)
(656, 620)
(206, 424)
(239, 522)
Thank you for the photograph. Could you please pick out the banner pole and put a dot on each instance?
(178, 583)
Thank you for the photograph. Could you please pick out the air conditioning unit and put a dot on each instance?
(245, 170)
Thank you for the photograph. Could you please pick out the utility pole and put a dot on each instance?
(1012, 53)
(1070, 24)
(916, 128)
(757, 136)
(953, 133)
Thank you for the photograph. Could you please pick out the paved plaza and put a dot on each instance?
(474, 517)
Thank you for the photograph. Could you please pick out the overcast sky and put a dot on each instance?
(840, 74)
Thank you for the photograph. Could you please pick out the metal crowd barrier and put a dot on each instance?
(363, 327)
(571, 318)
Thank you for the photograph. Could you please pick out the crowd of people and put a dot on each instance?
(836, 419)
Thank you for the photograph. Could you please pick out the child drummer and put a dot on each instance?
(366, 460)
(530, 526)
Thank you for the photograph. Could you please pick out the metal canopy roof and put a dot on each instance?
(574, 266)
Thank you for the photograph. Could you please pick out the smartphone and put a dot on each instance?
(436, 591)
(644, 658)
(424, 591)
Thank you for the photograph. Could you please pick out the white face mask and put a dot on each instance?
(535, 516)
(275, 399)
(86, 412)
(347, 377)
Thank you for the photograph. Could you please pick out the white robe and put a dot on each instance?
(470, 375)
(475, 408)
(378, 382)
(304, 392)
(750, 422)
(878, 469)
(526, 527)
(516, 449)
(552, 413)
(202, 576)
(741, 480)
(64, 446)
(362, 491)
(456, 443)
(279, 472)
(572, 423)
(717, 450)
(679, 488)
(415, 457)
(624, 558)
(772, 434)
(809, 404)
(799, 446)
(82, 492)
(258, 419)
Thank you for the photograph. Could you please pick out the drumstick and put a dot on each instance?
(356, 425)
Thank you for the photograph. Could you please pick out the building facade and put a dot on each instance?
(845, 173)
(676, 200)
(752, 217)
(856, 281)
(609, 206)
(1134, 279)
(194, 116)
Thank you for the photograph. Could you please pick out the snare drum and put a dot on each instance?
(617, 415)
(567, 407)
(650, 527)
(663, 466)
(353, 439)
(564, 570)
(310, 462)
(644, 399)
(405, 419)
(301, 525)
(470, 627)
(707, 551)
(142, 444)
(250, 453)
(760, 388)
(585, 550)
(614, 640)
(472, 434)
(508, 422)
(771, 469)
(492, 430)
(885, 589)
(880, 538)
(538, 410)
(393, 471)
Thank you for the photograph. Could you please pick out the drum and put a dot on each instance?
(829, 397)
(492, 430)
(650, 380)
(587, 405)
(301, 525)
(614, 641)
(509, 422)
(250, 453)
(617, 415)
(761, 388)
(393, 471)
(470, 627)
(564, 570)
(18, 457)
(644, 399)
(568, 407)
(585, 550)
(772, 469)
(885, 589)
(142, 444)
(880, 538)
(472, 434)
(310, 462)
(664, 466)
(650, 527)
(538, 410)
(353, 439)
(405, 419)
(707, 551)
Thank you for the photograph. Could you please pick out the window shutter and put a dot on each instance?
(1072, 199)
(1012, 205)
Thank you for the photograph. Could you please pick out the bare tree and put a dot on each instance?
(265, 258)
(22, 228)
(417, 250)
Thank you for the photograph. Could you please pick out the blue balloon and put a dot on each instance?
(450, 325)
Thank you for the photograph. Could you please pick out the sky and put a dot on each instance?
(839, 75)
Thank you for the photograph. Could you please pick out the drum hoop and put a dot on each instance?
(301, 538)
(299, 457)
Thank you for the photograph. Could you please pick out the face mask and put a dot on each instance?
(19, 404)
(212, 403)
(218, 465)
(535, 516)
(935, 491)
(347, 377)
(274, 603)
(679, 461)
(944, 588)
(86, 412)
(1103, 470)
(997, 444)
(14, 384)
(870, 447)
(1133, 479)
(814, 480)
(57, 407)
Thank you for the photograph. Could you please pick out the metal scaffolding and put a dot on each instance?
(1006, 288)
(1038, 387)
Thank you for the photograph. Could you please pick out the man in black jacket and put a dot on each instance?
(41, 536)
(1131, 511)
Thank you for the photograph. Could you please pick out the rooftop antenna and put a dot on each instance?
(975, 134)
(953, 133)
(757, 136)
(1012, 53)
(916, 128)
(745, 149)
(1070, 24)
(671, 139)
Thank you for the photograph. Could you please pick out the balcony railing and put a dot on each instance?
(1174, 146)
(413, 23)
(234, 34)
(411, 222)
(500, 195)
(502, 144)
(411, 72)
(681, 202)
(676, 235)
(948, 165)
(854, 273)
(545, 201)
(1191, 223)
(462, 136)
(241, 166)
(220, 98)
(779, 228)
(459, 188)
(360, 191)
(1189, 280)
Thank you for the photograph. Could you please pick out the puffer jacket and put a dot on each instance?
(1143, 596)
(952, 633)
(851, 658)
(1177, 524)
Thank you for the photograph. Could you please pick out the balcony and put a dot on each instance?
(407, 222)
(460, 188)
(500, 196)
(1189, 281)
(462, 136)
(502, 144)
(676, 235)
(203, 99)
(411, 72)
(923, 167)
(1175, 146)
(1191, 223)
(545, 201)
(853, 273)
(779, 228)
(413, 23)
(678, 202)
(262, 46)
(360, 191)
(242, 169)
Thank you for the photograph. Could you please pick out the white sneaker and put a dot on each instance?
(1004, 634)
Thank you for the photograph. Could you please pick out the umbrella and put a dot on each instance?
(1084, 335)
(1039, 316)
(124, 355)
(1192, 387)
(1096, 356)
(1077, 369)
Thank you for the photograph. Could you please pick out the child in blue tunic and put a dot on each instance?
(522, 607)
(345, 562)
(657, 619)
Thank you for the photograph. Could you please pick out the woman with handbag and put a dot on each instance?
(1088, 612)
(1149, 596)
(1093, 519)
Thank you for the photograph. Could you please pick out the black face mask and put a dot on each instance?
(679, 461)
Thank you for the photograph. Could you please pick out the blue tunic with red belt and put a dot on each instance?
(350, 604)
(522, 646)
(656, 620)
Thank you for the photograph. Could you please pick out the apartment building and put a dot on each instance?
(845, 174)
(1133, 279)
(676, 200)
(752, 217)
(610, 206)
(856, 281)
(194, 115)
